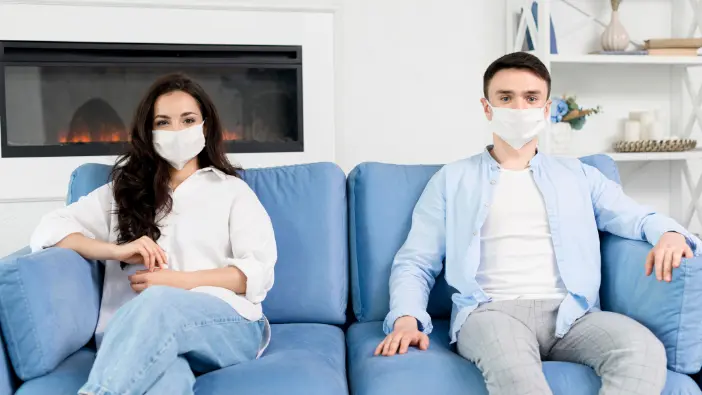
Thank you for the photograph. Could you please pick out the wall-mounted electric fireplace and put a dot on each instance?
(78, 99)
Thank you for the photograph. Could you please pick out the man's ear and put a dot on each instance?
(486, 109)
(547, 109)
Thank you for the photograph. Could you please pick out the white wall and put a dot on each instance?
(413, 78)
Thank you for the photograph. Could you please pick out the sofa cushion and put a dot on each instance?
(49, 304)
(307, 205)
(381, 200)
(301, 359)
(66, 379)
(307, 359)
(440, 370)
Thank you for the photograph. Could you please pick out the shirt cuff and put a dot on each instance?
(655, 229)
(49, 239)
(422, 317)
(256, 279)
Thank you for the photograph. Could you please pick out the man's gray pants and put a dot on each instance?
(508, 339)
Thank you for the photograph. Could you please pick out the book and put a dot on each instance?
(673, 51)
(659, 43)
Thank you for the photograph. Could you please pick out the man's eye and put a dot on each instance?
(504, 99)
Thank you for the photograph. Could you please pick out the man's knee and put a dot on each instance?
(637, 343)
(633, 350)
(643, 348)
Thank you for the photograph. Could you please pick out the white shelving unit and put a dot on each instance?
(679, 65)
(626, 59)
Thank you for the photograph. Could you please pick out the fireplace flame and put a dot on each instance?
(85, 135)
(116, 135)
(229, 135)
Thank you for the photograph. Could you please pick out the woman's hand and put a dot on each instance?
(143, 279)
(142, 251)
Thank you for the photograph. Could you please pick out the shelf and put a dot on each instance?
(626, 59)
(645, 156)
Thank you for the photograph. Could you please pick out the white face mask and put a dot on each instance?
(179, 147)
(517, 127)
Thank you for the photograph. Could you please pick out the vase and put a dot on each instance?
(615, 37)
(560, 138)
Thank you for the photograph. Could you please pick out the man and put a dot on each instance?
(519, 234)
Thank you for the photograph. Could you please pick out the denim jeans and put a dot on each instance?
(155, 343)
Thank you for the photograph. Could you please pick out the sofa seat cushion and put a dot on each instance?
(301, 359)
(440, 370)
(66, 379)
(307, 359)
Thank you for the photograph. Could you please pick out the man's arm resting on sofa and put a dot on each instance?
(49, 303)
(671, 310)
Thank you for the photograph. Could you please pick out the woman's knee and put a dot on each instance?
(150, 305)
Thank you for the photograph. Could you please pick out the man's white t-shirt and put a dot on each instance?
(517, 258)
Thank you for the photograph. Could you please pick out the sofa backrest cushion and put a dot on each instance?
(307, 205)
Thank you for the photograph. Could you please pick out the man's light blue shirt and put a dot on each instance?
(447, 220)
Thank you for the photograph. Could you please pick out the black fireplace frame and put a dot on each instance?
(168, 56)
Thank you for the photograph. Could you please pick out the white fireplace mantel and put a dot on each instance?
(315, 25)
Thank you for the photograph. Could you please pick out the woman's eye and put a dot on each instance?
(190, 120)
(161, 123)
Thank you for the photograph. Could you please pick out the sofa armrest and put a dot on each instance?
(49, 303)
(672, 311)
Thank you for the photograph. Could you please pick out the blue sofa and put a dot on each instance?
(307, 306)
(49, 300)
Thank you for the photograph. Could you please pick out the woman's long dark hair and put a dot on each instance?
(140, 177)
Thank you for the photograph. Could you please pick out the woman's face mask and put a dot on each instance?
(179, 147)
(517, 127)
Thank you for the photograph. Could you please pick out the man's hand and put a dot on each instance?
(143, 279)
(666, 255)
(404, 334)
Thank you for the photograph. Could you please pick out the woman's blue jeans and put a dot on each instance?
(155, 343)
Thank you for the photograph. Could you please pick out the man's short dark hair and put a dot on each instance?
(517, 60)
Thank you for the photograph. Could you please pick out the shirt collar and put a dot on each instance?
(214, 170)
(487, 157)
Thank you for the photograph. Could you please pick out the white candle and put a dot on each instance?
(632, 131)
(655, 131)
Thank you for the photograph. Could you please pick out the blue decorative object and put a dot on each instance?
(559, 108)
(530, 44)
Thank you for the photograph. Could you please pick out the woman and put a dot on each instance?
(189, 251)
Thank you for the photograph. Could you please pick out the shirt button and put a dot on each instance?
(492, 182)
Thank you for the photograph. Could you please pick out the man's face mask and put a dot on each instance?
(517, 127)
